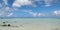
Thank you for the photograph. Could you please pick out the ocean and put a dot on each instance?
(30, 23)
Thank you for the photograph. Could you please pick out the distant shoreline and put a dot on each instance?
(24, 18)
(29, 17)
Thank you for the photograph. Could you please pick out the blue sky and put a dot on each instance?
(29, 8)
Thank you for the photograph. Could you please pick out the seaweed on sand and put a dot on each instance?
(4, 24)
(7, 25)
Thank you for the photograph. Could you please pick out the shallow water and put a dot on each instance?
(31, 23)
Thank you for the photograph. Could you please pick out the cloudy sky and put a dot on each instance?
(29, 8)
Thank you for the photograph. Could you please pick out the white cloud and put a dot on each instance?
(34, 14)
(5, 1)
(36, 0)
(5, 14)
(7, 8)
(41, 14)
(57, 12)
(48, 3)
(1, 13)
(0, 5)
(19, 3)
(10, 14)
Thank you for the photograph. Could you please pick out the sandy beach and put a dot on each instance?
(33, 26)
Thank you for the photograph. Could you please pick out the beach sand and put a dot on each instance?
(33, 26)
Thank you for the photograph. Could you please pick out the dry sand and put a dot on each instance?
(33, 26)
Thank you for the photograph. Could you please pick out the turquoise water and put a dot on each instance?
(30, 20)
